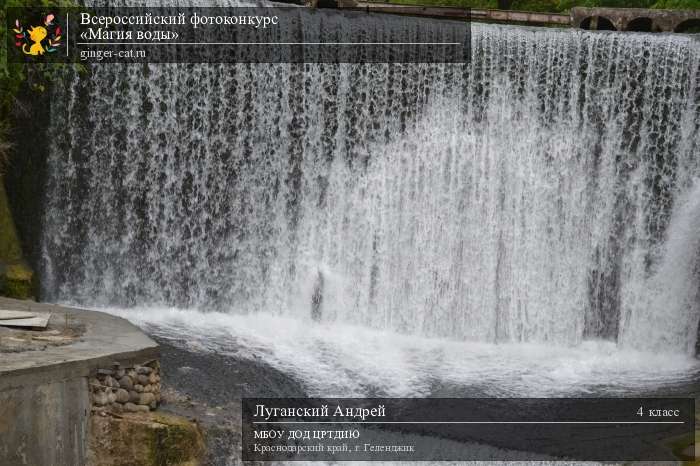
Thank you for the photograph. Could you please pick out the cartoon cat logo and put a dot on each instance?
(38, 40)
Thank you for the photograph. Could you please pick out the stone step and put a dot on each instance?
(33, 320)
(8, 315)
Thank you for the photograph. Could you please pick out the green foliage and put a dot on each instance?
(568, 4)
(535, 5)
(677, 4)
(657, 4)
(488, 4)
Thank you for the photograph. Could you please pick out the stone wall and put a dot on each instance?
(126, 388)
(126, 430)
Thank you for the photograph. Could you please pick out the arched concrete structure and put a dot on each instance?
(615, 19)
(460, 13)
(635, 19)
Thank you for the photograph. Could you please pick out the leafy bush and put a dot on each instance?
(535, 5)
(677, 4)
(559, 5)
(484, 4)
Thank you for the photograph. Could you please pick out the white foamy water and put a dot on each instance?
(353, 361)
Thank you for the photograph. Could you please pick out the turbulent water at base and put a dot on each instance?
(544, 193)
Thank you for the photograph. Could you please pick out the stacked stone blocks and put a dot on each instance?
(126, 389)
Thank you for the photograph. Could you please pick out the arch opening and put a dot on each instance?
(604, 24)
(640, 25)
(689, 26)
(597, 23)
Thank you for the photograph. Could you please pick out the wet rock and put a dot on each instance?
(95, 385)
(126, 383)
(101, 399)
(117, 408)
(122, 396)
(146, 398)
(132, 408)
(149, 438)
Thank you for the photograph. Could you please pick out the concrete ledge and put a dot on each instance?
(107, 339)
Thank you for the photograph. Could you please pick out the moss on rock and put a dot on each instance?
(10, 250)
(178, 441)
(148, 439)
(16, 281)
(15, 275)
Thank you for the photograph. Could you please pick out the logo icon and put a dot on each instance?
(37, 40)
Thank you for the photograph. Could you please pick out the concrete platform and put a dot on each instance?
(106, 339)
(45, 403)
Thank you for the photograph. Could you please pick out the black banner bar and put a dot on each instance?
(232, 35)
(441, 429)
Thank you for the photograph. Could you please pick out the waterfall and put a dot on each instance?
(541, 193)
(668, 315)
